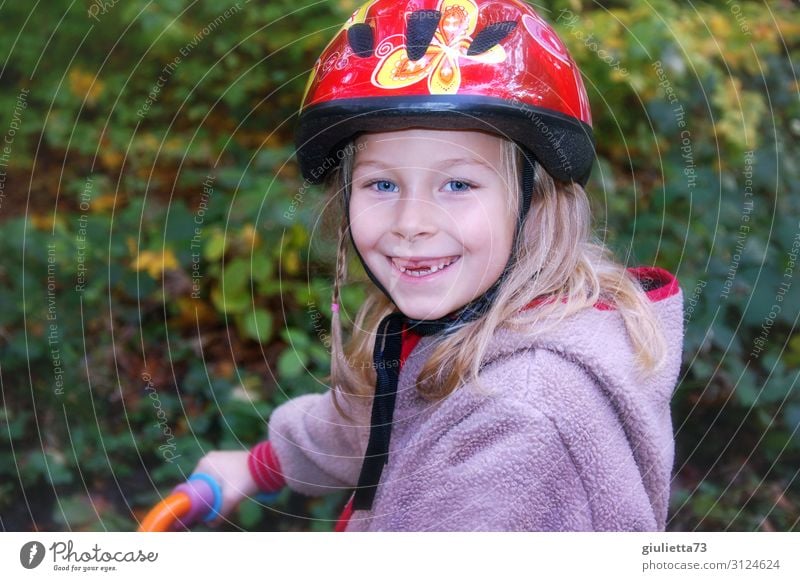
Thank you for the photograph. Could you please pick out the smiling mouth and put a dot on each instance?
(421, 268)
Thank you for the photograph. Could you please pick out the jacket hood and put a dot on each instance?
(598, 341)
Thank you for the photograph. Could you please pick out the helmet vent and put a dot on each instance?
(420, 27)
(361, 40)
(490, 37)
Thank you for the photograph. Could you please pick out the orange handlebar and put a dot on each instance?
(166, 512)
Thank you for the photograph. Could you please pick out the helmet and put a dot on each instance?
(491, 65)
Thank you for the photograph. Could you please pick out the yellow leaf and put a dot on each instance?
(618, 76)
(46, 222)
(192, 312)
(720, 26)
(85, 86)
(298, 236)
(225, 369)
(793, 353)
(740, 114)
(175, 145)
(250, 237)
(155, 263)
(111, 159)
(786, 29)
(43, 223)
(291, 262)
(102, 203)
(147, 142)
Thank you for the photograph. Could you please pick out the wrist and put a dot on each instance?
(265, 468)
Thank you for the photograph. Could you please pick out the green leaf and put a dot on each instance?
(257, 325)
(249, 513)
(262, 268)
(296, 338)
(292, 364)
(320, 355)
(215, 246)
(236, 276)
(233, 295)
(74, 512)
(11, 426)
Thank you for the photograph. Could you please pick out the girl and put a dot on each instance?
(505, 373)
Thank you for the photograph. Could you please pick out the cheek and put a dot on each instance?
(363, 225)
(487, 229)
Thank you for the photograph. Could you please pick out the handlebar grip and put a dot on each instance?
(199, 498)
(205, 497)
(162, 517)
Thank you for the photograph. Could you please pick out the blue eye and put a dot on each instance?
(458, 186)
(384, 186)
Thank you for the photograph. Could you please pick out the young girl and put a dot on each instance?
(504, 373)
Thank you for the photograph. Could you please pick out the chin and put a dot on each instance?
(426, 314)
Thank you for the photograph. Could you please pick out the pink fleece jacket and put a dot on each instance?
(568, 437)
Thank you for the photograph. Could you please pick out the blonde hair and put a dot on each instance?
(557, 258)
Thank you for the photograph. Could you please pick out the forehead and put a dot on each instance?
(428, 148)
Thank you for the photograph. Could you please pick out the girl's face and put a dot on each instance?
(430, 215)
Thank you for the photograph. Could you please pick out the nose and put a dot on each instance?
(415, 217)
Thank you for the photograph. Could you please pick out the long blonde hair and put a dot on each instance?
(571, 267)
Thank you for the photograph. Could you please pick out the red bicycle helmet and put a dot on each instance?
(491, 65)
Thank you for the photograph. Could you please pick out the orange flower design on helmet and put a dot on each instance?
(439, 63)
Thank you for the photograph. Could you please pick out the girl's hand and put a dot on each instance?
(230, 470)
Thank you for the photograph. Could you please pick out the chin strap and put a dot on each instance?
(386, 360)
(528, 180)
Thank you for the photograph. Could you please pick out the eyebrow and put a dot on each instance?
(455, 161)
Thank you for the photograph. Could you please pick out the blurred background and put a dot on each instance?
(165, 281)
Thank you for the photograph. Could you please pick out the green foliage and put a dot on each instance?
(166, 285)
